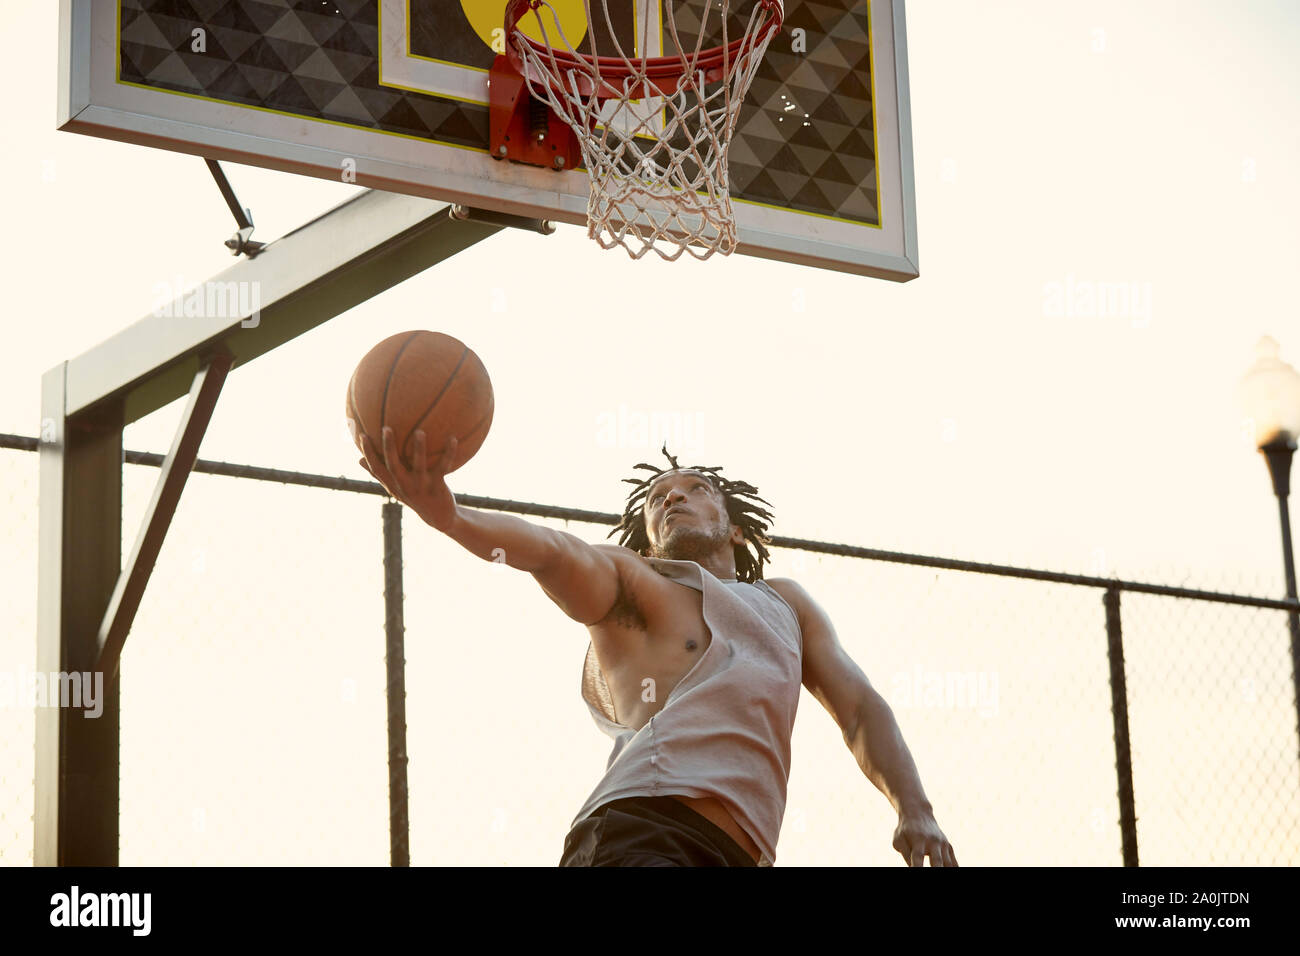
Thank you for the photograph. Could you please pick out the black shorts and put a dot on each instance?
(650, 831)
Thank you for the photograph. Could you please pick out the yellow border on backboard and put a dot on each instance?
(875, 126)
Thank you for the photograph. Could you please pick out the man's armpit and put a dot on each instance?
(625, 613)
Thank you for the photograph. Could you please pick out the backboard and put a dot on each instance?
(392, 94)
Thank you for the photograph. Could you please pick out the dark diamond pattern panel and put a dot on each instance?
(316, 58)
(819, 65)
(824, 163)
(320, 58)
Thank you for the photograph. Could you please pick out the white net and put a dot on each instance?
(654, 113)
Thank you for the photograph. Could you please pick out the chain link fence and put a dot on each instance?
(1213, 716)
(254, 712)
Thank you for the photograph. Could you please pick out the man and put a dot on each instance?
(694, 667)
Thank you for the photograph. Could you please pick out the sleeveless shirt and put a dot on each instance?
(724, 731)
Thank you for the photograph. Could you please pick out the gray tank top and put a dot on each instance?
(724, 731)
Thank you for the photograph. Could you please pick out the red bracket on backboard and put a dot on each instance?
(523, 128)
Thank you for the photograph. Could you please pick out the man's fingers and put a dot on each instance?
(918, 855)
(391, 457)
(390, 448)
(421, 448)
(952, 855)
(381, 474)
(382, 483)
(904, 847)
(371, 452)
(370, 455)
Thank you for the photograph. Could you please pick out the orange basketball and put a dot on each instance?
(421, 380)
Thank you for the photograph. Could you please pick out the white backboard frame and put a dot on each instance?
(93, 101)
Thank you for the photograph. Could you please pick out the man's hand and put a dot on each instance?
(425, 489)
(918, 836)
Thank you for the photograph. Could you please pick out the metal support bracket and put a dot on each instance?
(176, 469)
(524, 129)
(241, 243)
(489, 217)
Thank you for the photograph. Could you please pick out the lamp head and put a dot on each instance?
(1269, 394)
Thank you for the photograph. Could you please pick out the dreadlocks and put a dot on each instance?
(752, 519)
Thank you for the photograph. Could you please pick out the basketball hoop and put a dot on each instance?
(653, 130)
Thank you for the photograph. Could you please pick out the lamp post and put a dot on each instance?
(1270, 393)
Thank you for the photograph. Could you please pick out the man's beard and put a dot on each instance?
(691, 544)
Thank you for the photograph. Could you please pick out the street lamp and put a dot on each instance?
(1270, 394)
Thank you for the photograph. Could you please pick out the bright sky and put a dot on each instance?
(961, 414)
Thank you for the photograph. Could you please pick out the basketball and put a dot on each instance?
(421, 380)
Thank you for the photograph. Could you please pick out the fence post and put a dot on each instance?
(395, 663)
(1119, 713)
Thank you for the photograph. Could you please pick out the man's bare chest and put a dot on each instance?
(649, 642)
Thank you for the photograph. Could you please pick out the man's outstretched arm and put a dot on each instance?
(580, 578)
(877, 744)
(870, 731)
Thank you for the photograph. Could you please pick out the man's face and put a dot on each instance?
(686, 518)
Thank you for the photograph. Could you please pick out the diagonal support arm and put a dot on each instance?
(134, 578)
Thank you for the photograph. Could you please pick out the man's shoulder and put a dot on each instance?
(620, 553)
(615, 549)
(785, 584)
(791, 590)
(631, 564)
